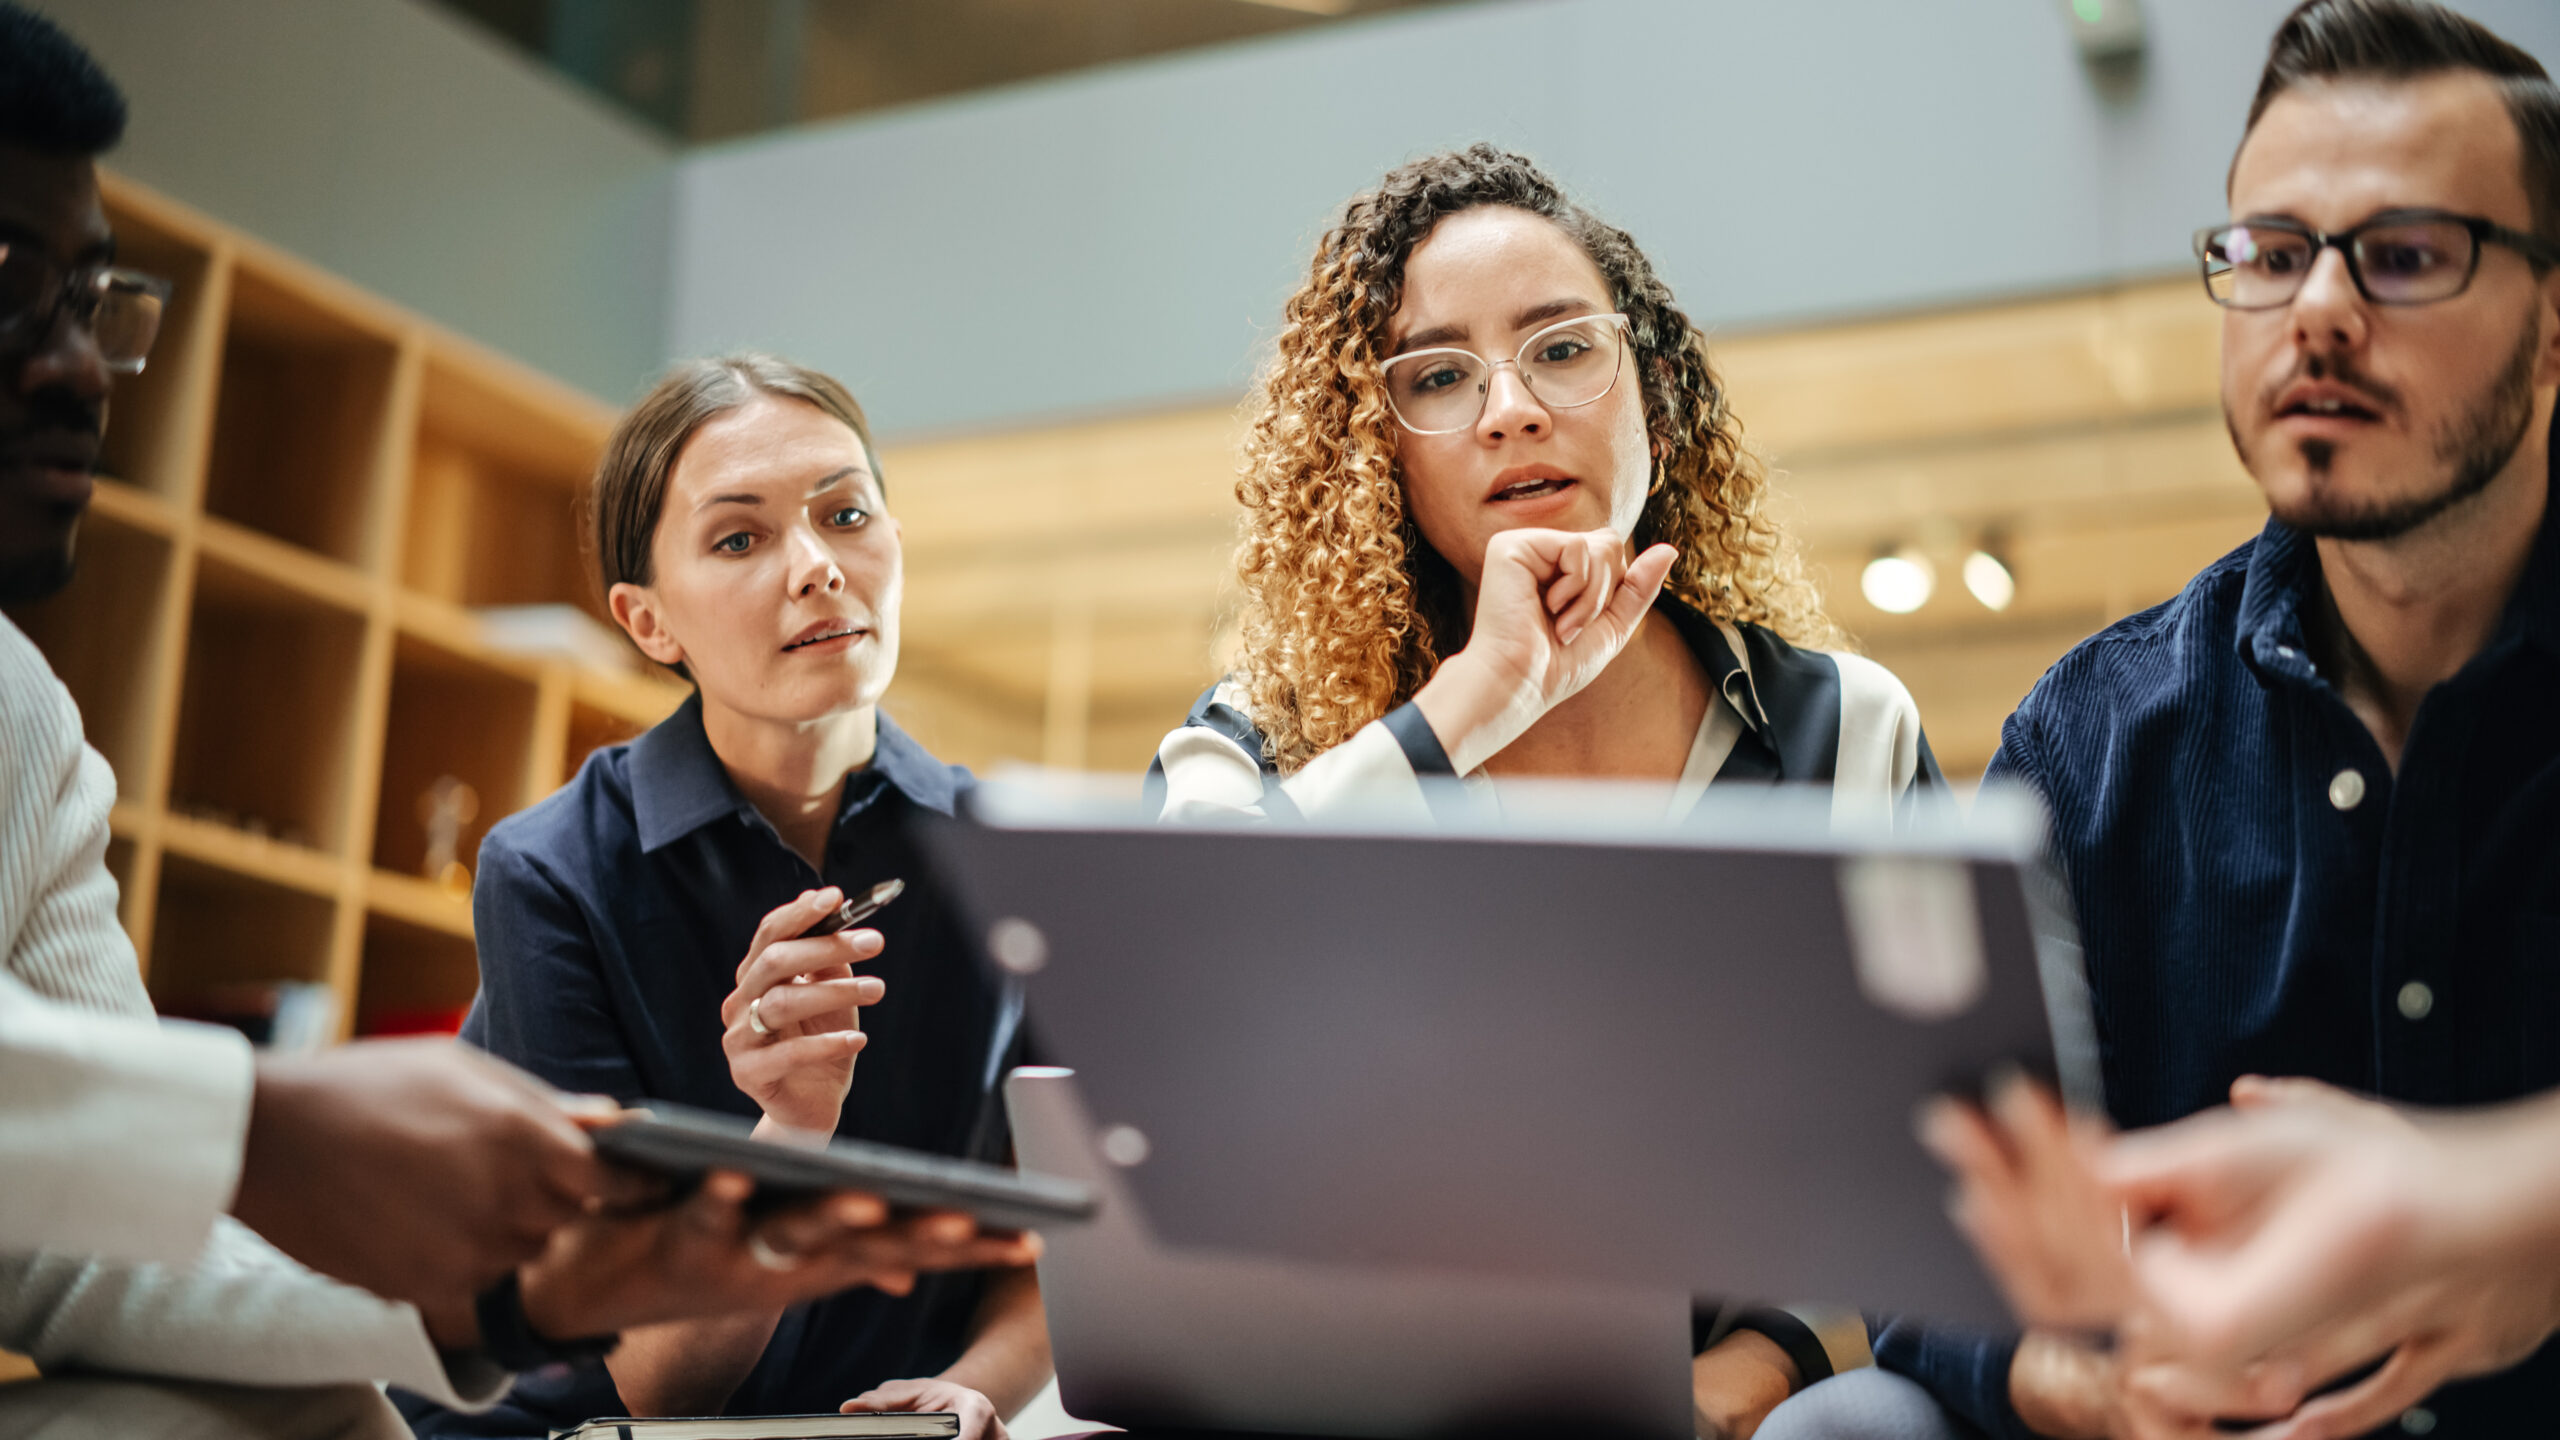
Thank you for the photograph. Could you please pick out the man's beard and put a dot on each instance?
(45, 566)
(2474, 447)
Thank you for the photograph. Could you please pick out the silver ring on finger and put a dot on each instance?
(755, 1017)
(761, 1250)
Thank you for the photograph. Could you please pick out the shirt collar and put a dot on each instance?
(2284, 565)
(678, 784)
(913, 770)
(1728, 670)
(2281, 566)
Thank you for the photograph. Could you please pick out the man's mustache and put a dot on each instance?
(2334, 369)
(57, 410)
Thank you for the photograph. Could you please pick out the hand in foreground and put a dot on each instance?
(2278, 1246)
(1553, 609)
(806, 996)
(2030, 1197)
(978, 1418)
(2306, 1233)
(617, 1269)
(421, 1170)
(2052, 1232)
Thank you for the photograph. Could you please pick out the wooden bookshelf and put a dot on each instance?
(272, 633)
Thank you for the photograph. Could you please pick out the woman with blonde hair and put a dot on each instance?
(1500, 520)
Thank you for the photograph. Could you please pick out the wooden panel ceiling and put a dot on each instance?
(704, 70)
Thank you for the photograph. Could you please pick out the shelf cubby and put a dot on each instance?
(257, 855)
(300, 419)
(156, 433)
(493, 496)
(267, 716)
(417, 979)
(107, 636)
(451, 715)
(271, 636)
(217, 927)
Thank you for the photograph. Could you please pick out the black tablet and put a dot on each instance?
(681, 1141)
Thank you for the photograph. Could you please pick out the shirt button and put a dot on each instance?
(2417, 1420)
(2346, 789)
(2416, 1000)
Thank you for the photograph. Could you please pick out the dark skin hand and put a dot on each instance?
(619, 1269)
(478, 1169)
(418, 1169)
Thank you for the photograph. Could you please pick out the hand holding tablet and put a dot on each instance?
(683, 1143)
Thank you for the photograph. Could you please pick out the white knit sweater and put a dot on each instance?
(120, 1136)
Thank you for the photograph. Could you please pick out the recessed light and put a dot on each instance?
(1989, 580)
(1899, 581)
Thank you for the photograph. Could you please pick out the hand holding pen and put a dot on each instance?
(793, 1024)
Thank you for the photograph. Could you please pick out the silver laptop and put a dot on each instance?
(1149, 1336)
(1562, 1044)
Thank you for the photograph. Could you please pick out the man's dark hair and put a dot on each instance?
(2407, 39)
(53, 96)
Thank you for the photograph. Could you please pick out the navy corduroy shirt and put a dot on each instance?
(611, 919)
(2259, 893)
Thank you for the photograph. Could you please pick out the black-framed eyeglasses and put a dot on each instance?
(2399, 257)
(120, 308)
(1443, 390)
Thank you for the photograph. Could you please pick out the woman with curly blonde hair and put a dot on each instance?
(1500, 519)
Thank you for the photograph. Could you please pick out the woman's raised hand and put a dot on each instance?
(1553, 609)
(793, 1027)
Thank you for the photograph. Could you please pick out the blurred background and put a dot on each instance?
(334, 618)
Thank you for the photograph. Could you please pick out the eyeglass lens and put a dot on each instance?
(121, 309)
(2253, 267)
(127, 320)
(1564, 365)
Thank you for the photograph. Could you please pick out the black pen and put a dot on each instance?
(856, 909)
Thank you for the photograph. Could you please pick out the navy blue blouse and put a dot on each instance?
(611, 919)
(2259, 892)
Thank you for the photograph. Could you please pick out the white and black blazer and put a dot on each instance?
(1783, 714)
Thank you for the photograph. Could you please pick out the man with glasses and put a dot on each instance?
(462, 1196)
(2310, 809)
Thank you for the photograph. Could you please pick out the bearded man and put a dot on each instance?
(2309, 810)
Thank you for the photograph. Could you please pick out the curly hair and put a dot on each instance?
(1346, 611)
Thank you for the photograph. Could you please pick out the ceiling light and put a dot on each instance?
(1898, 581)
(1309, 7)
(1989, 580)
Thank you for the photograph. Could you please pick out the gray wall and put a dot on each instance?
(396, 145)
(1122, 239)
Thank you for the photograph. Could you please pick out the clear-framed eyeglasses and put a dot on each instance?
(2399, 257)
(120, 308)
(1570, 363)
